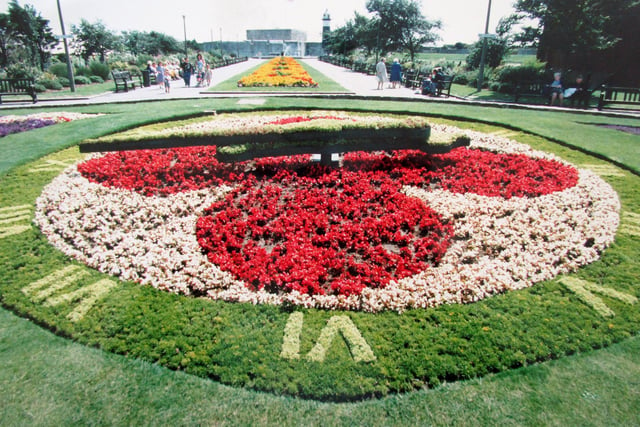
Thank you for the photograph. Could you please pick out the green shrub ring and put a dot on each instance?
(311, 353)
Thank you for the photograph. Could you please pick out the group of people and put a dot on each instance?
(579, 91)
(200, 69)
(165, 72)
(383, 77)
(430, 85)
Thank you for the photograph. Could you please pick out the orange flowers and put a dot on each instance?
(280, 71)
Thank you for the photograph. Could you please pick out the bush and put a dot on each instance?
(41, 88)
(65, 82)
(82, 80)
(58, 70)
(99, 69)
(96, 79)
(50, 83)
(83, 71)
(21, 71)
(501, 87)
(511, 74)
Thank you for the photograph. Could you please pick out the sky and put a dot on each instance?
(211, 20)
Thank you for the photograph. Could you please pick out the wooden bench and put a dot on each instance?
(532, 89)
(407, 78)
(124, 80)
(416, 80)
(618, 96)
(444, 86)
(18, 87)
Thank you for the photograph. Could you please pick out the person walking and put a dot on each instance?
(396, 73)
(160, 75)
(381, 73)
(187, 70)
(200, 65)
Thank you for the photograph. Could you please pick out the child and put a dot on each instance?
(207, 75)
(167, 84)
(160, 77)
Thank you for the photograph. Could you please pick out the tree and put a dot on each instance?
(358, 33)
(152, 43)
(27, 27)
(496, 51)
(401, 25)
(94, 39)
(567, 32)
(5, 39)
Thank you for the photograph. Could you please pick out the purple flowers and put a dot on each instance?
(7, 128)
(16, 124)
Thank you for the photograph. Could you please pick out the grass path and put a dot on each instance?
(48, 380)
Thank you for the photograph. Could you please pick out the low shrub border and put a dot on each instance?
(237, 343)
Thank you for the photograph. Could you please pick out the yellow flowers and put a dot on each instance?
(281, 71)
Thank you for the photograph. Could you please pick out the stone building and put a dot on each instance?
(272, 42)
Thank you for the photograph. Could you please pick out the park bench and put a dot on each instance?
(618, 96)
(124, 80)
(532, 88)
(18, 87)
(416, 80)
(444, 88)
(407, 78)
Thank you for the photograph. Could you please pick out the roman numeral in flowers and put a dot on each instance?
(603, 170)
(631, 223)
(584, 290)
(505, 133)
(47, 290)
(11, 215)
(360, 350)
(50, 166)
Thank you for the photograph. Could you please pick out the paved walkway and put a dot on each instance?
(357, 85)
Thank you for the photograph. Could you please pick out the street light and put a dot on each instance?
(483, 57)
(72, 83)
(184, 23)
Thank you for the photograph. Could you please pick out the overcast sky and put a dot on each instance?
(207, 20)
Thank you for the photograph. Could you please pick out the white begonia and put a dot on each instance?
(499, 244)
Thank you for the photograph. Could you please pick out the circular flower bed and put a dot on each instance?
(384, 232)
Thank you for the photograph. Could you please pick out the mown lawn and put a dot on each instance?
(48, 380)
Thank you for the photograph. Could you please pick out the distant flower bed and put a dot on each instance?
(384, 232)
(16, 124)
(280, 71)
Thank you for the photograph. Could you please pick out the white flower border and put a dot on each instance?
(58, 117)
(499, 244)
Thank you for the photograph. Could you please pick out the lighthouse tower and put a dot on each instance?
(326, 27)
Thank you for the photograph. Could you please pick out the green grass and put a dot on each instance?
(48, 380)
(437, 58)
(324, 84)
(584, 389)
(81, 91)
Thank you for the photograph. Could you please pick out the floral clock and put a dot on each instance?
(266, 262)
(399, 231)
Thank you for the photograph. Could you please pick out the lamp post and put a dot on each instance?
(221, 54)
(484, 49)
(184, 24)
(72, 83)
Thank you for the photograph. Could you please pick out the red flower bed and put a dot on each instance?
(294, 225)
(339, 234)
(162, 172)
